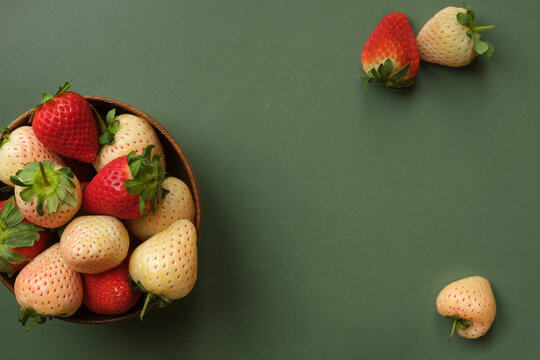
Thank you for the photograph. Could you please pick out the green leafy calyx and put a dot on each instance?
(14, 234)
(150, 298)
(4, 136)
(51, 187)
(383, 75)
(147, 175)
(459, 323)
(24, 314)
(47, 98)
(468, 19)
(109, 127)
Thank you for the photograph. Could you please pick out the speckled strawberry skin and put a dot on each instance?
(109, 292)
(177, 204)
(21, 148)
(49, 286)
(134, 134)
(106, 194)
(67, 126)
(392, 39)
(470, 299)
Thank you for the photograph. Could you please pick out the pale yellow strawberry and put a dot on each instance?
(178, 204)
(93, 244)
(444, 40)
(47, 286)
(165, 266)
(20, 147)
(133, 133)
(470, 303)
(51, 203)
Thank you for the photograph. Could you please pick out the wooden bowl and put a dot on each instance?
(177, 166)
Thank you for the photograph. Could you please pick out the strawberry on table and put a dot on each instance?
(177, 204)
(123, 134)
(20, 241)
(95, 243)
(127, 187)
(165, 266)
(47, 194)
(470, 303)
(48, 287)
(390, 55)
(451, 38)
(19, 147)
(65, 123)
(110, 292)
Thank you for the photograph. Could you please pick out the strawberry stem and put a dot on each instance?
(454, 325)
(43, 175)
(480, 28)
(149, 298)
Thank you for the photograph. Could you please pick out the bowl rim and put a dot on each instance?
(22, 120)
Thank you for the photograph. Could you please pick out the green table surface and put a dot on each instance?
(332, 214)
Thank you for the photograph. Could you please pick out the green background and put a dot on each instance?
(332, 214)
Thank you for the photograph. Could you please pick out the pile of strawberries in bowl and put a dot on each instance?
(93, 229)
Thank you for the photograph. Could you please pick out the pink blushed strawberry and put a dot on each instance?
(19, 147)
(470, 303)
(48, 287)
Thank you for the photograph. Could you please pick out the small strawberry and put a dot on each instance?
(93, 244)
(110, 292)
(64, 123)
(165, 266)
(48, 287)
(123, 134)
(19, 147)
(127, 187)
(20, 241)
(470, 303)
(390, 55)
(451, 38)
(47, 195)
(177, 204)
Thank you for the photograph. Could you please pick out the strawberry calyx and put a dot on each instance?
(383, 75)
(25, 313)
(468, 19)
(150, 298)
(14, 234)
(4, 135)
(459, 323)
(50, 186)
(47, 98)
(147, 175)
(109, 127)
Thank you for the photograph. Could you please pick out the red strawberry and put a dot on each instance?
(390, 55)
(110, 292)
(20, 241)
(127, 187)
(65, 123)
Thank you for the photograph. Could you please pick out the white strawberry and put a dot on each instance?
(123, 134)
(47, 194)
(48, 287)
(19, 147)
(451, 38)
(165, 266)
(176, 205)
(470, 303)
(93, 244)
